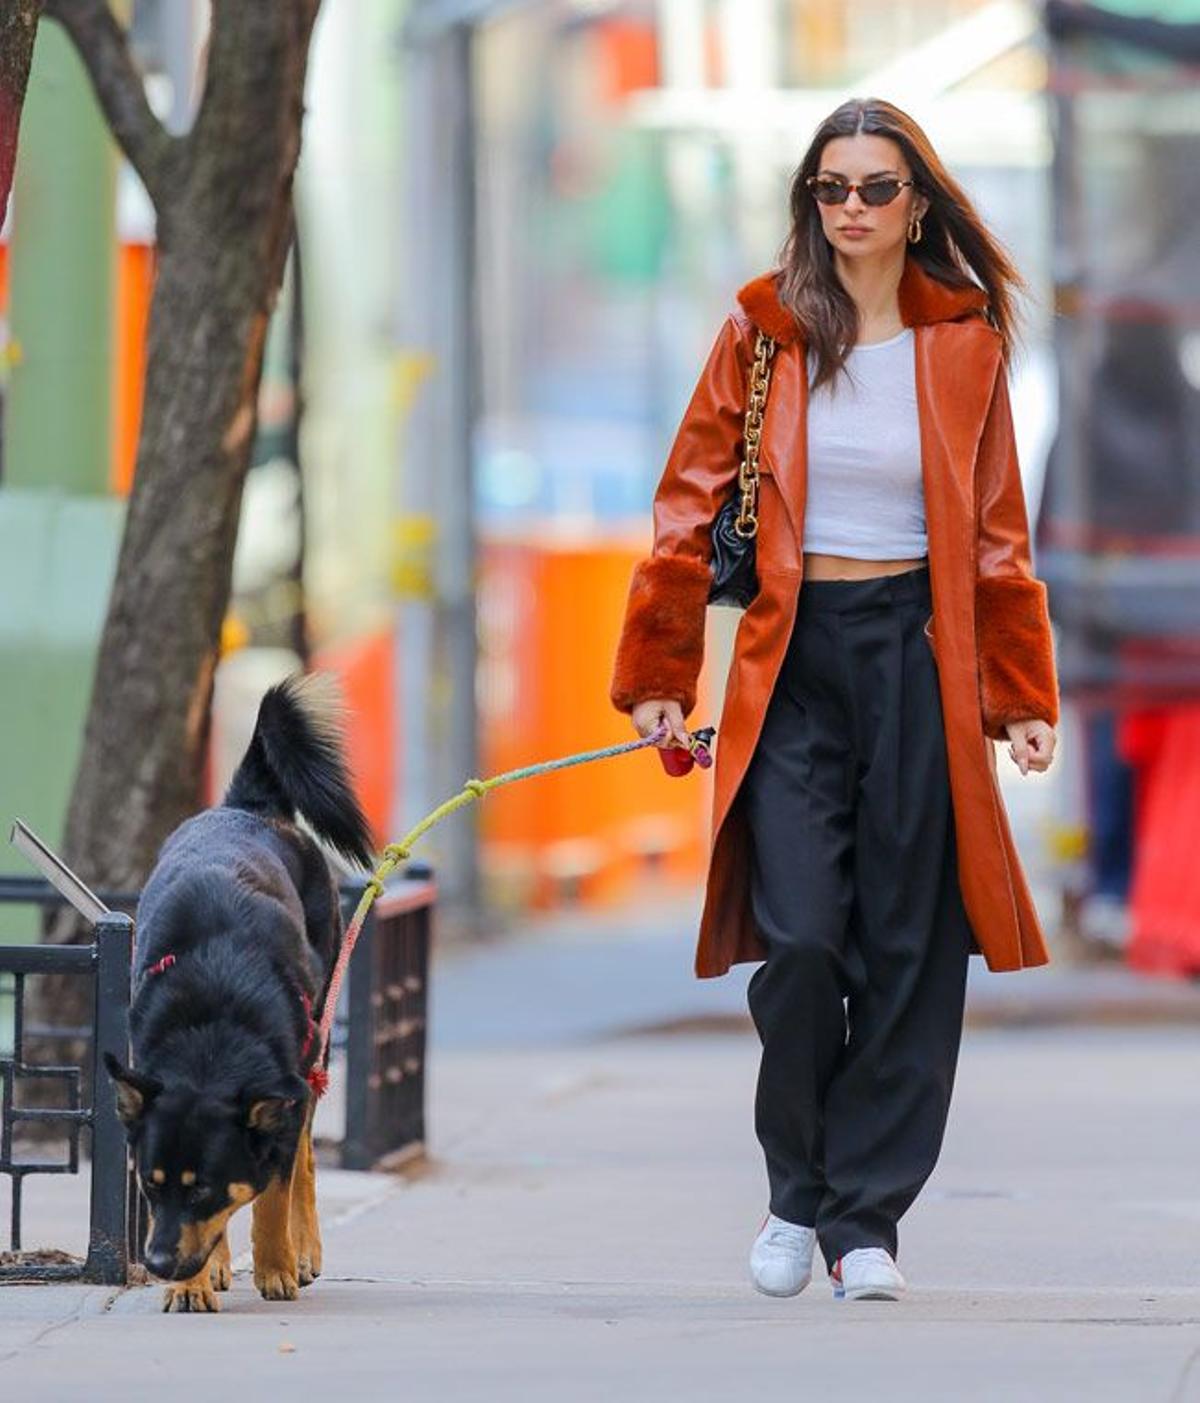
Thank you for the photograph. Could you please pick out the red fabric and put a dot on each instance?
(312, 1027)
(676, 761)
(1163, 745)
(317, 1077)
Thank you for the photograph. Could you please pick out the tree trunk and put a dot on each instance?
(223, 195)
(18, 28)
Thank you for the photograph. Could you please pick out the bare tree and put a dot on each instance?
(222, 195)
(18, 27)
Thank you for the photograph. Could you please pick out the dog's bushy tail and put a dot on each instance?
(295, 764)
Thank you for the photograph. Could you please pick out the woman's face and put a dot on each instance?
(856, 160)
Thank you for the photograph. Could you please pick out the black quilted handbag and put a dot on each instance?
(733, 564)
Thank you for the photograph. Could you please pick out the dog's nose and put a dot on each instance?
(160, 1264)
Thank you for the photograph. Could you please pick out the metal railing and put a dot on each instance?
(106, 961)
(386, 1015)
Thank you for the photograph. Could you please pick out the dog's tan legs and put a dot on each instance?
(194, 1295)
(275, 1272)
(306, 1227)
(220, 1265)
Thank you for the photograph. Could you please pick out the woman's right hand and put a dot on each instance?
(647, 716)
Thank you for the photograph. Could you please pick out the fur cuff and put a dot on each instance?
(662, 643)
(1017, 680)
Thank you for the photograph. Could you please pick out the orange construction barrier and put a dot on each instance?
(1163, 746)
(550, 615)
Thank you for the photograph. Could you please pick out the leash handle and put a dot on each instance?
(677, 760)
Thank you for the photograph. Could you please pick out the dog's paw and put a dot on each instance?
(196, 1296)
(220, 1266)
(276, 1283)
(308, 1251)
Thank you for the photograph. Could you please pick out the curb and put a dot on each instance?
(1114, 1012)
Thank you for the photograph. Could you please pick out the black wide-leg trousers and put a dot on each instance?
(855, 890)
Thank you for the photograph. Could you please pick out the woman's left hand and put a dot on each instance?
(1032, 744)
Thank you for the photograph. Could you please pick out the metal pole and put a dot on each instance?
(416, 324)
(439, 477)
(107, 1259)
(461, 548)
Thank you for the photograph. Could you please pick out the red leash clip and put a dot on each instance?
(678, 761)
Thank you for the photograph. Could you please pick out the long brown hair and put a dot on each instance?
(954, 242)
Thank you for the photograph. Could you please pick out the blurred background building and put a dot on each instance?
(520, 226)
(632, 164)
(1118, 537)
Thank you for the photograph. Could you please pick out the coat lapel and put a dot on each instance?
(955, 367)
(784, 451)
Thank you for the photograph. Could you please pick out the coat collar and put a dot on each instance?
(954, 375)
(923, 299)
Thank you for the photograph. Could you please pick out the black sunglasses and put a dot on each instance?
(871, 192)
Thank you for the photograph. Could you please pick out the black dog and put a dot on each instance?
(238, 929)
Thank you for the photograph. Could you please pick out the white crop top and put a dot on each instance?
(865, 496)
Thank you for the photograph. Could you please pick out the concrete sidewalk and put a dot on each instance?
(582, 1229)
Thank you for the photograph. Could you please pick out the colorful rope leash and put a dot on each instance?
(396, 853)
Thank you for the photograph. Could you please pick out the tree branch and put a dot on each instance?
(18, 26)
(103, 45)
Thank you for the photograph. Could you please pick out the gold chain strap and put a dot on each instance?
(746, 523)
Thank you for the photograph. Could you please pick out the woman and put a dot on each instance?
(860, 843)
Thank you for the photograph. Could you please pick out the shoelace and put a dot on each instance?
(786, 1235)
(877, 1254)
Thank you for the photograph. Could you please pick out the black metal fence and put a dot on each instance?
(106, 962)
(386, 1023)
(381, 1029)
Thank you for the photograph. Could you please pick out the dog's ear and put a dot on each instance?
(134, 1092)
(269, 1112)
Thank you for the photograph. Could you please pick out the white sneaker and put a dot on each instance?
(782, 1256)
(867, 1274)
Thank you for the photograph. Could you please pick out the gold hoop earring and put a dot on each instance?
(914, 238)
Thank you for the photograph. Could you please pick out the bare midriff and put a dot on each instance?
(845, 567)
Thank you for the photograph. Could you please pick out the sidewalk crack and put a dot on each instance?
(1179, 1392)
(56, 1325)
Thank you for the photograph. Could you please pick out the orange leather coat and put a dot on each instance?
(989, 629)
